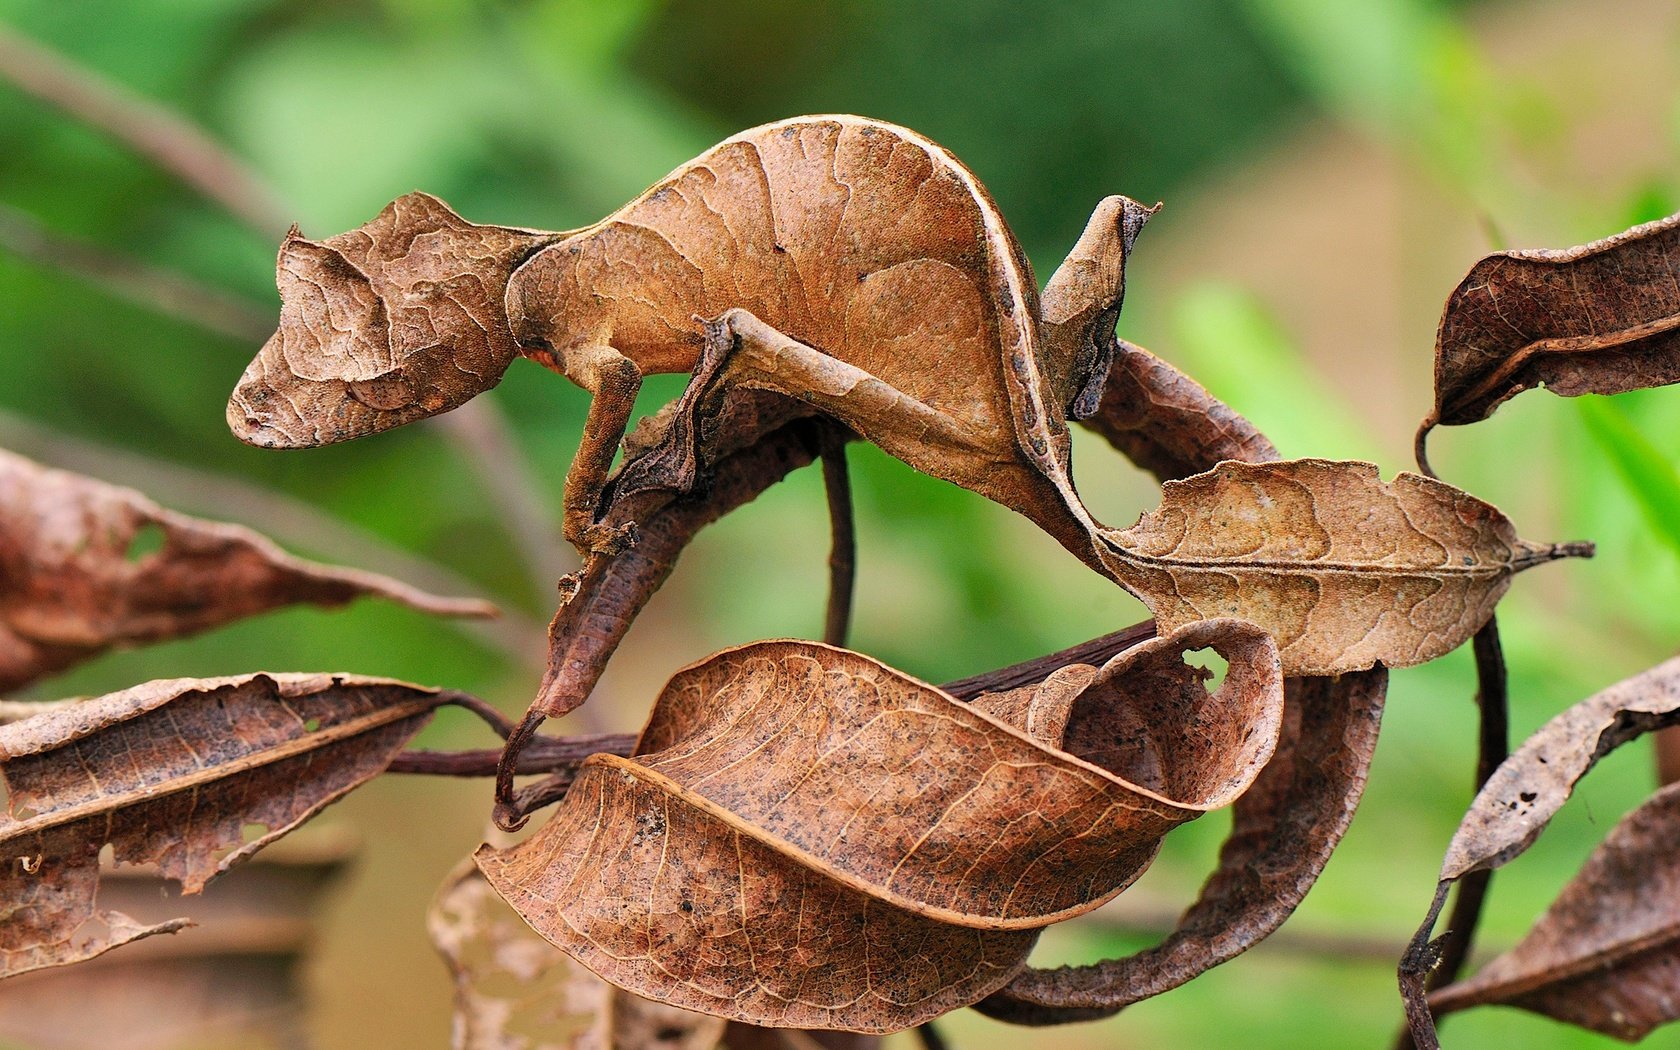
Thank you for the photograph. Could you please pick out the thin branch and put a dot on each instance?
(1153, 923)
(1097, 652)
(1494, 744)
(292, 521)
(545, 754)
(141, 284)
(155, 132)
(501, 724)
(842, 555)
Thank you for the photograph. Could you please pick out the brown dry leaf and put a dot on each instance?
(1285, 827)
(1528, 789)
(515, 991)
(175, 773)
(1604, 954)
(798, 817)
(1167, 423)
(237, 981)
(78, 575)
(1343, 569)
(1596, 319)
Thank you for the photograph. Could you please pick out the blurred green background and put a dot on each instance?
(1330, 171)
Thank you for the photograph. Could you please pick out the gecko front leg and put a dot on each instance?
(613, 381)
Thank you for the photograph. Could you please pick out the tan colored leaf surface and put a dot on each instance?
(1343, 569)
(515, 991)
(1604, 956)
(858, 270)
(77, 577)
(797, 814)
(1601, 318)
(174, 773)
(236, 981)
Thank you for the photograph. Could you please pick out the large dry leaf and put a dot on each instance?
(1597, 319)
(515, 991)
(1604, 956)
(78, 574)
(860, 271)
(807, 838)
(1528, 789)
(1284, 829)
(174, 773)
(1343, 569)
(237, 981)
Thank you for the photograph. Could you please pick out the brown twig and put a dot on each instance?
(842, 554)
(149, 287)
(1097, 652)
(153, 131)
(544, 754)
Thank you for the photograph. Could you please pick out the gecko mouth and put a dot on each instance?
(273, 408)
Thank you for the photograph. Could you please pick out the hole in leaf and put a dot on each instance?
(251, 832)
(311, 725)
(148, 540)
(1213, 666)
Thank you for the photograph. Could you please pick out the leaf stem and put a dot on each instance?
(842, 555)
(1494, 744)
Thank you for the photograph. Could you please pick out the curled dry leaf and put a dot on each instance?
(807, 838)
(515, 991)
(1343, 569)
(1528, 789)
(1604, 954)
(173, 773)
(1284, 829)
(1601, 318)
(77, 575)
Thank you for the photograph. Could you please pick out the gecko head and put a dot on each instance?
(391, 322)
